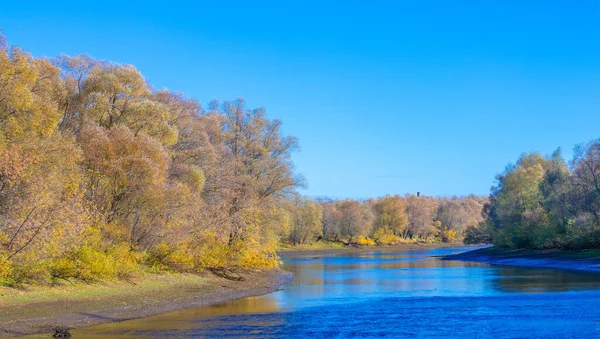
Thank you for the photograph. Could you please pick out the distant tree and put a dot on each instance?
(306, 219)
(455, 215)
(332, 221)
(421, 213)
(390, 214)
(355, 220)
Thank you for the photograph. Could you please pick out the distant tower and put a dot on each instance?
(418, 194)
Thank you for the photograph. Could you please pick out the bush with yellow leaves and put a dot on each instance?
(170, 257)
(95, 261)
(449, 235)
(364, 241)
(384, 236)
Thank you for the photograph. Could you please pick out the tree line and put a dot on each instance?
(544, 202)
(101, 175)
(104, 177)
(385, 221)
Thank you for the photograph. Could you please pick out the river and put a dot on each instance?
(409, 294)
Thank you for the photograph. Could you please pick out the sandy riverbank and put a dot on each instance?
(38, 310)
(588, 260)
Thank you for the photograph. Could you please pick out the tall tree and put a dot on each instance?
(390, 214)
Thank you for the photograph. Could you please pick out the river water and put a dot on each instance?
(410, 294)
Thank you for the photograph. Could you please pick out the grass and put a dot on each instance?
(74, 291)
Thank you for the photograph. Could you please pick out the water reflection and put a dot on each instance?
(540, 280)
(392, 294)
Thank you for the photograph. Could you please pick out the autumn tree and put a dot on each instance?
(306, 218)
(456, 214)
(356, 219)
(100, 173)
(332, 220)
(390, 218)
(421, 213)
(42, 213)
(585, 186)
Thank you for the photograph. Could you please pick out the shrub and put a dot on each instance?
(165, 257)
(386, 237)
(364, 241)
(6, 268)
(95, 260)
(449, 235)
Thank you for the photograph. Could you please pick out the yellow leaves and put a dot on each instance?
(259, 258)
(6, 268)
(178, 258)
(117, 94)
(449, 235)
(29, 96)
(89, 263)
(390, 213)
(364, 241)
(93, 260)
(151, 118)
(120, 162)
(110, 232)
(384, 236)
(196, 179)
(96, 169)
(189, 175)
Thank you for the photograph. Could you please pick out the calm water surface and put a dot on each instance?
(392, 294)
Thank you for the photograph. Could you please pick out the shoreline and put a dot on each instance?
(583, 260)
(363, 249)
(37, 310)
(22, 313)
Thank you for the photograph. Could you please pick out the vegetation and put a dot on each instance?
(103, 177)
(392, 220)
(543, 202)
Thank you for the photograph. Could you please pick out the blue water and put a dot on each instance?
(410, 294)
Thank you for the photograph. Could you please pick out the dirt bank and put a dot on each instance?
(588, 260)
(39, 310)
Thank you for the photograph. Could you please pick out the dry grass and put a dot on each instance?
(74, 291)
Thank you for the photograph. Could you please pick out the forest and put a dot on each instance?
(104, 177)
(544, 203)
(389, 220)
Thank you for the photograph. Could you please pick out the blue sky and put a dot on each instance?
(385, 97)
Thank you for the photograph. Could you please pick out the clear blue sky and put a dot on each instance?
(385, 96)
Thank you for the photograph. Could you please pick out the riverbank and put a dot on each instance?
(588, 260)
(334, 248)
(39, 309)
